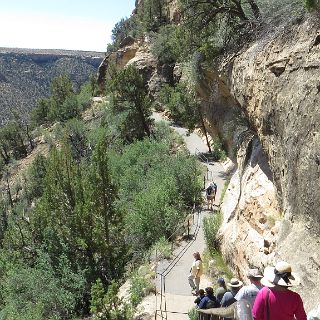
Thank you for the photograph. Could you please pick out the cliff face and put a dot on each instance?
(276, 216)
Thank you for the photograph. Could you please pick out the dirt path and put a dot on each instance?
(177, 298)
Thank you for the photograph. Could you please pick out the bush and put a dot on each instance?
(38, 292)
(218, 151)
(106, 305)
(155, 186)
(312, 4)
(141, 285)
(163, 248)
(211, 227)
(193, 314)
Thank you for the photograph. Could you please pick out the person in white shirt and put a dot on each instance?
(250, 291)
(195, 273)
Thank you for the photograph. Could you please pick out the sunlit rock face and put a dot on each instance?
(268, 217)
(277, 83)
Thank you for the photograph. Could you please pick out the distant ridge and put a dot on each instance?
(26, 75)
(51, 51)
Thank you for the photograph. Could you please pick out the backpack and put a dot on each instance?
(209, 190)
(215, 187)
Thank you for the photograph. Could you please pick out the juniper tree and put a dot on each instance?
(130, 102)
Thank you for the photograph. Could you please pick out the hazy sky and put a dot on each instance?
(60, 24)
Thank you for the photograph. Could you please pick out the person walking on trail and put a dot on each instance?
(250, 291)
(211, 192)
(195, 273)
(221, 290)
(275, 301)
(229, 297)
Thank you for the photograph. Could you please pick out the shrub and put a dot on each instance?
(218, 151)
(193, 314)
(163, 248)
(312, 4)
(141, 285)
(211, 226)
(41, 292)
(106, 305)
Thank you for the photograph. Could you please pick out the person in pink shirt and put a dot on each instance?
(275, 301)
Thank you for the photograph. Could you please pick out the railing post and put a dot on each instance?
(188, 228)
(204, 182)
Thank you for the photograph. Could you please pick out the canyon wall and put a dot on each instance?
(272, 208)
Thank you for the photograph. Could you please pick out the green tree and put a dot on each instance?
(39, 114)
(108, 305)
(12, 140)
(152, 14)
(35, 177)
(103, 221)
(312, 4)
(75, 134)
(122, 29)
(63, 101)
(184, 107)
(131, 103)
(40, 291)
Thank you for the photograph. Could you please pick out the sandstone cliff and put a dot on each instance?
(275, 83)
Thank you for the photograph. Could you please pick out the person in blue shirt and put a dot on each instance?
(209, 301)
(199, 297)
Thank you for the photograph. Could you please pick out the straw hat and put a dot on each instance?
(235, 283)
(281, 274)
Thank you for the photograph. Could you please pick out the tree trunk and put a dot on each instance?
(255, 9)
(238, 10)
(9, 191)
(204, 129)
(29, 137)
(5, 156)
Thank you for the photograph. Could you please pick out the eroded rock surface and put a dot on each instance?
(271, 217)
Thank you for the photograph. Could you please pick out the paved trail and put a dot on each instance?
(178, 298)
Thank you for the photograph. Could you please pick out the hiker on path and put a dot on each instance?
(221, 290)
(229, 297)
(211, 192)
(275, 301)
(195, 273)
(250, 291)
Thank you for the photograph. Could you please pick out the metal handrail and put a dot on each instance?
(171, 265)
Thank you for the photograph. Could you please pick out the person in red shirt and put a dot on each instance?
(275, 301)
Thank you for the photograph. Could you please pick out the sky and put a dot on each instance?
(60, 24)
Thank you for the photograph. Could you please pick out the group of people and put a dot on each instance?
(268, 295)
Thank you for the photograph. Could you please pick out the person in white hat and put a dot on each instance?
(228, 298)
(250, 291)
(275, 301)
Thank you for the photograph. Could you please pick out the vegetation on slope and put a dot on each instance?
(81, 213)
(25, 75)
(91, 206)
